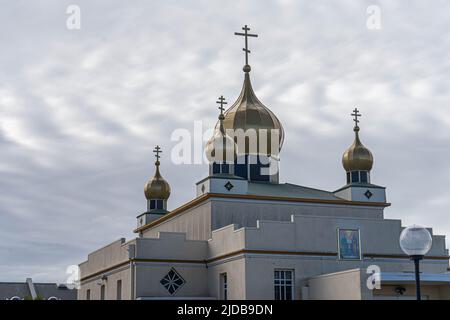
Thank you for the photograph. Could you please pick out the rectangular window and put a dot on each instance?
(159, 204)
(256, 173)
(152, 204)
(355, 176)
(364, 176)
(240, 167)
(225, 168)
(223, 286)
(216, 168)
(88, 294)
(348, 177)
(119, 289)
(284, 284)
(102, 292)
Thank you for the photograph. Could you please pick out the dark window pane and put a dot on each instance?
(348, 177)
(277, 293)
(289, 293)
(159, 204)
(225, 168)
(240, 170)
(102, 292)
(355, 176)
(216, 168)
(119, 289)
(152, 204)
(364, 176)
(255, 173)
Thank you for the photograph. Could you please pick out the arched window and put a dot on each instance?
(15, 298)
(53, 298)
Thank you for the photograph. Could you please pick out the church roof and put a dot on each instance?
(289, 190)
(44, 290)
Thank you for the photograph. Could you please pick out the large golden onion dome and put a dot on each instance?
(357, 157)
(249, 113)
(221, 148)
(157, 187)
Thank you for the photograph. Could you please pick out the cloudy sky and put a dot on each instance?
(81, 110)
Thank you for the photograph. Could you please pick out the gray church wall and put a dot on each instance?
(319, 234)
(112, 254)
(195, 222)
(344, 285)
(170, 245)
(225, 240)
(149, 275)
(247, 212)
(198, 222)
(235, 269)
(94, 285)
(260, 271)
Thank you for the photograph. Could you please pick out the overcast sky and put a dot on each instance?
(81, 110)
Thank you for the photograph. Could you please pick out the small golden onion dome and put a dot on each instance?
(249, 113)
(221, 148)
(357, 156)
(157, 187)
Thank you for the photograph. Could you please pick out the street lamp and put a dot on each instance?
(416, 241)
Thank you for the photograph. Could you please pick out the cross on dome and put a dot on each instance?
(157, 151)
(356, 114)
(245, 34)
(221, 102)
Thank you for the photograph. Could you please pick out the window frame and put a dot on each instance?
(119, 289)
(282, 284)
(103, 292)
(339, 244)
(223, 286)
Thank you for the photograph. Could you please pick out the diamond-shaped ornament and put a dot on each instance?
(228, 186)
(172, 281)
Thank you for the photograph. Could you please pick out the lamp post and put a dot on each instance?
(416, 241)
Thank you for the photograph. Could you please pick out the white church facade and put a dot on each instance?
(248, 236)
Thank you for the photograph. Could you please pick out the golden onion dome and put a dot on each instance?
(221, 148)
(357, 157)
(249, 113)
(157, 187)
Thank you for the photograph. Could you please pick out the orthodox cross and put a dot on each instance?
(356, 114)
(221, 102)
(157, 151)
(246, 35)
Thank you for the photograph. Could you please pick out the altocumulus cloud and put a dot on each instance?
(81, 110)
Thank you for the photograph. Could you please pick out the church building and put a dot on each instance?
(247, 236)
